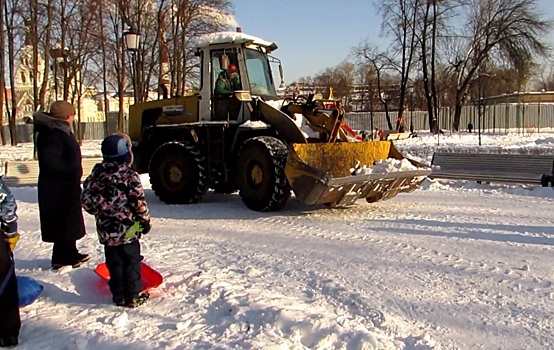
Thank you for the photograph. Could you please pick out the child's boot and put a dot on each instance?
(119, 301)
(138, 301)
(8, 342)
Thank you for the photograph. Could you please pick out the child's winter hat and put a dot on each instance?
(115, 149)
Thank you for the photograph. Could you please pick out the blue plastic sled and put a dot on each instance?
(29, 290)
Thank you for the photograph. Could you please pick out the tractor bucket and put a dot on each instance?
(320, 173)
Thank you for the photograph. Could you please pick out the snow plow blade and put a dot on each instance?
(320, 173)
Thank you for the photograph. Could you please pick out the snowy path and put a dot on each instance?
(450, 268)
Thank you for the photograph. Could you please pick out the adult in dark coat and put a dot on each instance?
(59, 183)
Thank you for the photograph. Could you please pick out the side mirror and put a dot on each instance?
(281, 75)
(224, 62)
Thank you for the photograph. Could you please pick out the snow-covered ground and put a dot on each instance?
(453, 265)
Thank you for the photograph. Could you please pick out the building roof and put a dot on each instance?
(519, 97)
(111, 94)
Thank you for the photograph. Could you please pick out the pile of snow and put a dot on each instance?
(257, 124)
(231, 37)
(384, 166)
(423, 146)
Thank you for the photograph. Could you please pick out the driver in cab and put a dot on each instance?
(227, 81)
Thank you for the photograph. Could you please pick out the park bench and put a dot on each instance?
(485, 167)
(19, 173)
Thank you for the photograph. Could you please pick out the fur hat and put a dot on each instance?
(116, 149)
(61, 110)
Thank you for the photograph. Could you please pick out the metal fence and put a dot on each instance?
(89, 131)
(494, 118)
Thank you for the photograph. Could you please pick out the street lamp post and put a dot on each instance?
(446, 107)
(58, 53)
(384, 98)
(539, 112)
(371, 113)
(132, 44)
(411, 109)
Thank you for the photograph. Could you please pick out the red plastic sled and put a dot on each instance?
(150, 277)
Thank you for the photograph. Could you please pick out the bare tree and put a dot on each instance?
(510, 31)
(45, 46)
(32, 39)
(114, 46)
(14, 27)
(345, 75)
(187, 21)
(104, 67)
(400, 19)
(545, 76)
(64, 29)
(433, 16)
(2, 70)
(380, 62)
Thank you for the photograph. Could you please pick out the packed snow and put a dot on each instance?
(384, 166)
(453, 265)
(231, 37)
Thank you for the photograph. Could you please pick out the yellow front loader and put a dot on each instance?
(250, 139)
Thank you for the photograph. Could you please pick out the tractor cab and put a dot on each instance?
(235, 67)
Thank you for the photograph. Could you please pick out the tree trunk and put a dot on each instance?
(45, 86)
(121, 86)
(425, 70)
(2, 71)
(435, 104)
(34, 39)
(11, 74)
(457, 115)
(104, 74)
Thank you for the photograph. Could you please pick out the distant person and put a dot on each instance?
(10, 321)
(113, 194)
(469, 127)
(227, 81)
(59, 184)
(400, 124)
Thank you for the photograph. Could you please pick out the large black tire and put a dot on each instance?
(178, 173)
(260, 175)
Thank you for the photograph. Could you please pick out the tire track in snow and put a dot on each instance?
(460, 267)
(415, 261)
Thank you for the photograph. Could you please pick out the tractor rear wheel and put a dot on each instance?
(178, 173)
(260, 175)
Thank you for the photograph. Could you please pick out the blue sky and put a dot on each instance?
(316, 34)
(311, 35)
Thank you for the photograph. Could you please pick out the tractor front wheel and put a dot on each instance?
(260, 175)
